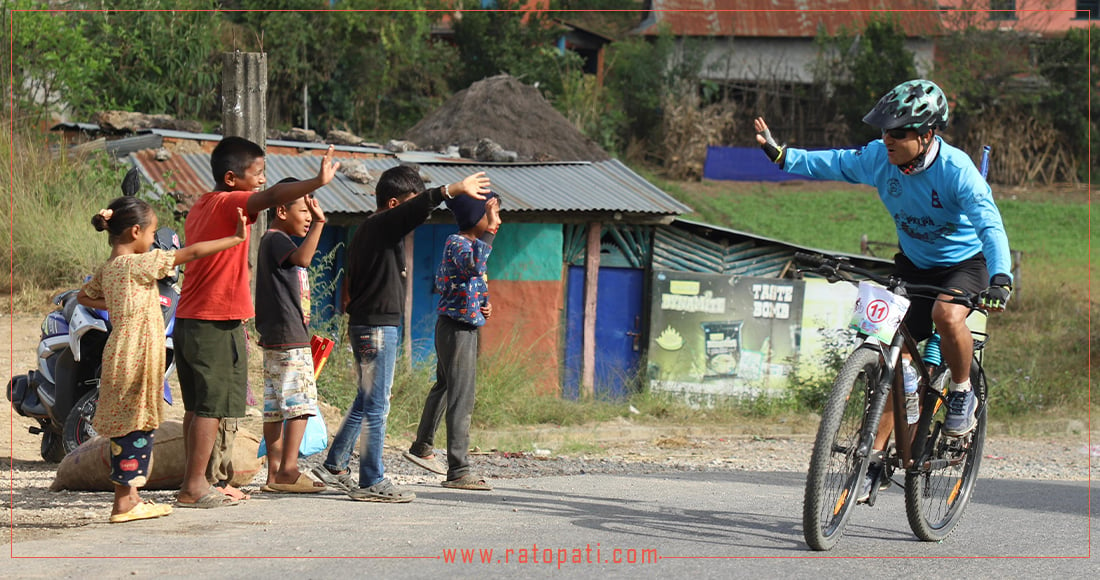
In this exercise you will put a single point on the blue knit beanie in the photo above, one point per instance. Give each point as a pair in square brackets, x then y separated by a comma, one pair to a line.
[467, 210]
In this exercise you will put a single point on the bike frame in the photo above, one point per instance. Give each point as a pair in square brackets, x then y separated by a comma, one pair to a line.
[910, 448]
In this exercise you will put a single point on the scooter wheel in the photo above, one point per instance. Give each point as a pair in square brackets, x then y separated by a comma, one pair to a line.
[78, 425]
[53, 450]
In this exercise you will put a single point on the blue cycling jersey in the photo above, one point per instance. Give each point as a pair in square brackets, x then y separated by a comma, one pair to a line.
[944, 214]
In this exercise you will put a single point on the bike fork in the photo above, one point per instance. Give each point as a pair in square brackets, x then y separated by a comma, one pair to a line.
[878, 399]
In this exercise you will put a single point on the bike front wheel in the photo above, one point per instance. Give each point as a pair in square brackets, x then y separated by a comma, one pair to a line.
[836, 469]
[939, 487]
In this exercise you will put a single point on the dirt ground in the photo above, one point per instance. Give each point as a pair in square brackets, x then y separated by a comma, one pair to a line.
[1059, 451]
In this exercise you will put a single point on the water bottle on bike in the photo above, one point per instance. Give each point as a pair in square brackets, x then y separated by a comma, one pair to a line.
[912, 382]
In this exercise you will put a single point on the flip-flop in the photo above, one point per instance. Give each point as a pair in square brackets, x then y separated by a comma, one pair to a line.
[428, 462]
[143, 511]
[304, 484]
[233, 492]
[470, 482]
[211, 499]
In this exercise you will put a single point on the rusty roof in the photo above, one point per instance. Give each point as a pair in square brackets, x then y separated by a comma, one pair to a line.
[784, 18]
[604, 186]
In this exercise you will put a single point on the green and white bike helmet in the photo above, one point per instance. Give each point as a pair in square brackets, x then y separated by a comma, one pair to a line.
[918, 104]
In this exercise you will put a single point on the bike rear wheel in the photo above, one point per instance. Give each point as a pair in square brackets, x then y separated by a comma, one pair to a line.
[836, 469]
[938, 489]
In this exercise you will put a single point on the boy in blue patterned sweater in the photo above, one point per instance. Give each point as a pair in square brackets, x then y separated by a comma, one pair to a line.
[463, 307]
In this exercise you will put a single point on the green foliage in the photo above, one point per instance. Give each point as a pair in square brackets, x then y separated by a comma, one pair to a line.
[164, 55]
[366, 71]
[508, 40]
[640, 73]
[50, 210]
[391, 76]
[54, 63]
[996, 75]
[590, 107]
[1064, 62]
[810, 388]
[862, 66]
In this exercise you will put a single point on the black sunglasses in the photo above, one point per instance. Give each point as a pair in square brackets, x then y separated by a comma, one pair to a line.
[896, 133]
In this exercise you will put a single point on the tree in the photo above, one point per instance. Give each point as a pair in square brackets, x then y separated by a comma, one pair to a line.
[54, 65]
[392, 73]
[164, 55]
[1063, 63]
[508, 40]
[860, 66]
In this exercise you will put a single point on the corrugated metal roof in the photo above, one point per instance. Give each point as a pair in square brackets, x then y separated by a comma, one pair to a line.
[734, 236]
[269, 142]
[607, 186]
[784, 18]
[687, 246]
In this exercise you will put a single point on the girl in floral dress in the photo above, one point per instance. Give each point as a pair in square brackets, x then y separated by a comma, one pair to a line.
[130, 394]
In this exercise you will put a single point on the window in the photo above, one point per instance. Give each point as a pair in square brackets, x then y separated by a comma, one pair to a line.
[1088, 10]
[1002, 9]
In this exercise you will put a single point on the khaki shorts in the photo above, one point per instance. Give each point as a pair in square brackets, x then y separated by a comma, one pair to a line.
[289, 388]
[212, 363]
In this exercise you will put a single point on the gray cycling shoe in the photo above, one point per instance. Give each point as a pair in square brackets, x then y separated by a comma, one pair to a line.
[960, 418]
[340, 481]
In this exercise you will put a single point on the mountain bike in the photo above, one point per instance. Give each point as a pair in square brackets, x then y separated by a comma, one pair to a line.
[939, 470]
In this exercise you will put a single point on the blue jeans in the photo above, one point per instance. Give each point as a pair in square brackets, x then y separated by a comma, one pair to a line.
[375, 349]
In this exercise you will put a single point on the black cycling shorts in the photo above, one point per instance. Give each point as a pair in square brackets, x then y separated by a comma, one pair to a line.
[969, 275]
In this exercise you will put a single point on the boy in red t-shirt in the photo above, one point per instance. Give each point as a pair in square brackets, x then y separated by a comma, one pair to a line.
[211, 353]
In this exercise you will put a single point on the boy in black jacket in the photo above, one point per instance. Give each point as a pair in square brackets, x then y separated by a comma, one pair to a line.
[376, 299]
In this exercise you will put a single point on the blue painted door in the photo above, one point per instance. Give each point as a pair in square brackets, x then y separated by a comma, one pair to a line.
[427, 253]
[618, 327]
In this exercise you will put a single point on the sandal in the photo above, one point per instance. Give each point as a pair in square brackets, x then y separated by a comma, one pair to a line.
[145, 510]
[211, 499]
[304, 484]
[428, 462]
[233, 492]
[470, 482]
[383, 491]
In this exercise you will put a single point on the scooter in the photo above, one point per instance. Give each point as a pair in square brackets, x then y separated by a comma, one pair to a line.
[61, 394]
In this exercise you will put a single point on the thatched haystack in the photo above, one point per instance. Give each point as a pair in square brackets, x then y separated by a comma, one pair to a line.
[510, 113]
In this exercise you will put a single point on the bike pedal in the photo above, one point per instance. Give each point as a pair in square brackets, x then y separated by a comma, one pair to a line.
[35, 430]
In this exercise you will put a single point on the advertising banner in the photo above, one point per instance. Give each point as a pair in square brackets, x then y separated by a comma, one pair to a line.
[721, 335]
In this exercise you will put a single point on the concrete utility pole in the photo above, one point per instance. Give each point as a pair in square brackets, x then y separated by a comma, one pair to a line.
[244, 114]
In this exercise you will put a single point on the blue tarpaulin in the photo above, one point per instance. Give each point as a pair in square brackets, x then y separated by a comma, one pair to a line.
[743, 164]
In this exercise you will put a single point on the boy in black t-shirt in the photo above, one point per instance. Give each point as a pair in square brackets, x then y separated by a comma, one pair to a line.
[282, 321]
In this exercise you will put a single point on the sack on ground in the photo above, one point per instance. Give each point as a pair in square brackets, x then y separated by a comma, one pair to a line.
[88, 467]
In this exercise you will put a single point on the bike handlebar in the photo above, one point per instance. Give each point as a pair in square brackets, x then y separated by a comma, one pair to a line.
[831, 267]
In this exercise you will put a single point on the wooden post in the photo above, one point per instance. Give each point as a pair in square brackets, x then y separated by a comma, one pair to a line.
[406, 332]
[591, 281]
[244, 114]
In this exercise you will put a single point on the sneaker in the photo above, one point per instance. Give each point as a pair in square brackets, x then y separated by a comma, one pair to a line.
[383, 491]
[960, 413]
[341, 481]
[874, 470]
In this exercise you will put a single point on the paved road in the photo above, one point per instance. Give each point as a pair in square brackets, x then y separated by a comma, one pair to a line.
[736, 524]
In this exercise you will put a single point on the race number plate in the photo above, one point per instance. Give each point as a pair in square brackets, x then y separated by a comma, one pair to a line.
[878, 312]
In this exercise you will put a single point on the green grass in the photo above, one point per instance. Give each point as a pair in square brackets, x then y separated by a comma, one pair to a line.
[50, 209]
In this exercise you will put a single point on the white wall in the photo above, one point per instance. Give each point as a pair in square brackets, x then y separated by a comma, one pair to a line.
[789, 60]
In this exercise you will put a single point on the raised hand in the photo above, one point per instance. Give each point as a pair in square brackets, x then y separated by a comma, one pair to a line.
[492, 210]
[475, 186]
[328, 168]
[767, 143]
[242, 225]
[315, 209]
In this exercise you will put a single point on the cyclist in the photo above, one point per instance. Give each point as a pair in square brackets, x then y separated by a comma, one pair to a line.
[950, 231]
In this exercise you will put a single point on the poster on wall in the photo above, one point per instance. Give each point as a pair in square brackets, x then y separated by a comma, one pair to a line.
[719, 335]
